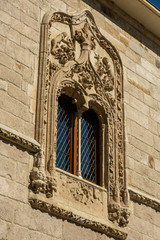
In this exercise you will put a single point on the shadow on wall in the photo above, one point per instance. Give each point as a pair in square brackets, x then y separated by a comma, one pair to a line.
[108, 9]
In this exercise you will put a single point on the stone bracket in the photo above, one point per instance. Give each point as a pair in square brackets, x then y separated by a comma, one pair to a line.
[138, 197]
[19, 139]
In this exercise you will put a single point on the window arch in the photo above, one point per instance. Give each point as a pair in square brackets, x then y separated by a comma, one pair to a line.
[83, 65]
[90, 146]
[70, 142]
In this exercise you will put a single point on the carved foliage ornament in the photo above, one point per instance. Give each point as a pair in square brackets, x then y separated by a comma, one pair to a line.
[77, 60]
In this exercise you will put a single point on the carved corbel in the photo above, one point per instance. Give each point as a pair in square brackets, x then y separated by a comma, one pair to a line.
[118, 214]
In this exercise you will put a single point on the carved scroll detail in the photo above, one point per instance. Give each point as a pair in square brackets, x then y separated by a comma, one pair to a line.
[80, 62]
[17, 138]
[51, 209]
[137, 197]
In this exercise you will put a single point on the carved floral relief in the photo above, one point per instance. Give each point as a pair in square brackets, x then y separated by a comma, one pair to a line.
[77, 60]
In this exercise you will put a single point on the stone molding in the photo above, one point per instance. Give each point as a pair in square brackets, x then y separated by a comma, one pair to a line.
[138, 197]
[78, 61]
[59, 212]
[19, 139]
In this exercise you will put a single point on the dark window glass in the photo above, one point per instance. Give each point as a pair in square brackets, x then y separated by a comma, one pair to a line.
[63, 133]
[66, 149]
[89, 145]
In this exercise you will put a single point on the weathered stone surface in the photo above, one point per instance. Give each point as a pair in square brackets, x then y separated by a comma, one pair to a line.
[35, 219]
[19, 59]
[71, 231]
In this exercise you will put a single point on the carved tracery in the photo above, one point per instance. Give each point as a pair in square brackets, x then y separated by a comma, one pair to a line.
[82, 64]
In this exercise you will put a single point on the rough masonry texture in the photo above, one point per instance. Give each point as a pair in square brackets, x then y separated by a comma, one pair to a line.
[114, 65]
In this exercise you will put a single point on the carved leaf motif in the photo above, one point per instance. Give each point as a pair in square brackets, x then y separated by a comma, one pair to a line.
[103, 69]
[62, 48]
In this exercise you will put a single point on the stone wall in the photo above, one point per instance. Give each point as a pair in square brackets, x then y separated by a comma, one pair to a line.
[19, 57]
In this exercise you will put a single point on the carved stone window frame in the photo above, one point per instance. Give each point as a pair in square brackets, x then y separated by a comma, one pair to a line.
[94, 82]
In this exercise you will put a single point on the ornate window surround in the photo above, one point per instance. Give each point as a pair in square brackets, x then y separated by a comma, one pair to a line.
[78, 61]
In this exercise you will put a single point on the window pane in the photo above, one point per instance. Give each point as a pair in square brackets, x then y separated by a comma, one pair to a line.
[88, 145]
[63, 134]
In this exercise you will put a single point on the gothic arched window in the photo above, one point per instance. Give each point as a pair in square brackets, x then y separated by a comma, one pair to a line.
[80, 124]
[70, 142]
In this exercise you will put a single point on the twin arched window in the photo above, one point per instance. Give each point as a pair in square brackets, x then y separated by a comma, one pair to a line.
[77, 149]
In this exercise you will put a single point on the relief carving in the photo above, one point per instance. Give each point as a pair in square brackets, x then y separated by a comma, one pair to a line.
[103, 69]
[80, 191]
[95, 225]
[62, 48]
[39, 181]
[137, 197]
[119, 215]
[81, 63]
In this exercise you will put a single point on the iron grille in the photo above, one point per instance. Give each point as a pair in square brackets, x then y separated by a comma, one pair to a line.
[88, 146]
[63, 134]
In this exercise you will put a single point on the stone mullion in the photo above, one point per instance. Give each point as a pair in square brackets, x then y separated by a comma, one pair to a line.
[102, 140]
[79, 145]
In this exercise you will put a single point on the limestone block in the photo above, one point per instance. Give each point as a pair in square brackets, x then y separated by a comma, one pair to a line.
[147, 213]
[30, 22]
[3, 85]
[137, 104]
[9, 8]
[72, 231]
[17, 123]
[10, 76]
[133, 234]
[156, 233]
[143, 147]
[141, 133]
[26, 72]
[139, 82]
[124, 40]
[30, 45]
[7, 167]
[18, 94]
[146, 75]
[130, 163]
[6, 60]
[135, 153]
[6, 209]
[24, 56]
[157, 165]
[35, 219]
[155, 92]
[136, 47]
[5, 17]
[10, 33]
[28, 7]
[141, 182]
[132, 89]
[3, 229]
[153, 126]
[19, 233]
[22, 173]
[132, 55]
[155, 115]
[13, 190]
[127, 62]
[2, 44]
[137, 116]
[22, 111]
[157, 143]
[24, 86]
[150, 101]
[101, 236]
[149, 67]
[141, 226]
